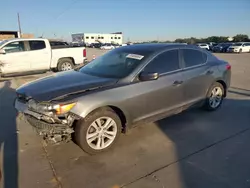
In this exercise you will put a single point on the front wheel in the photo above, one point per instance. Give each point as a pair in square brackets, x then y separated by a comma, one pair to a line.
[214, 97]
[99, 131]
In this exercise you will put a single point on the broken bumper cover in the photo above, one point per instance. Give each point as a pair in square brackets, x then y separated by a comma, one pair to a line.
[50, 128]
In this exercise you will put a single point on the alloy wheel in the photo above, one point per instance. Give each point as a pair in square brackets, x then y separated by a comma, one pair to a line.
[66, 66]
[216, 97]
[101, 133]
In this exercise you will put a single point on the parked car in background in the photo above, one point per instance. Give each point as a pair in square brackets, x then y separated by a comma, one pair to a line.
[116, 45]
[203, 46]
[96, 45]
[78, 44]
[107, 46]
[222, 47]
[26, 56]
[212, 45]
[121, 88]
[58, 44]
[240, 47]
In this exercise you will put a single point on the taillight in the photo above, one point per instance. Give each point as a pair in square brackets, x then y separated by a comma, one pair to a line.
[84, 53]
[228, 67]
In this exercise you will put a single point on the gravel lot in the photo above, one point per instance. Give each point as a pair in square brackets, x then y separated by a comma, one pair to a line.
[194, 149]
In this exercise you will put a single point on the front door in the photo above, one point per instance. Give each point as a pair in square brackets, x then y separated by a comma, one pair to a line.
[15, 59]
[163, 95]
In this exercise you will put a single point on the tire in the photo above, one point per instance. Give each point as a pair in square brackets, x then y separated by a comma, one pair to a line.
[240, 51]
[65, 64]
[209, 105]
[85, 128]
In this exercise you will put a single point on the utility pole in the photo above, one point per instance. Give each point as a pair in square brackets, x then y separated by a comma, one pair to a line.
[19, 25]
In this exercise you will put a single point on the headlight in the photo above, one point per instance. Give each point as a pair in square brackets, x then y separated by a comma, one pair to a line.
[63, 108]
[46, 107]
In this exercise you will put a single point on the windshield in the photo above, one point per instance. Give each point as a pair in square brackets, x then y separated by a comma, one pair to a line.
[117, 63]
[238, 44]
[3, 42]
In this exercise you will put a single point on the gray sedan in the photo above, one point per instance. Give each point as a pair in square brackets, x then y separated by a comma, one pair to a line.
[106, 97]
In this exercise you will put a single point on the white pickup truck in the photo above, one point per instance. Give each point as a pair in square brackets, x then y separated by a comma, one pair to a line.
[25, 56]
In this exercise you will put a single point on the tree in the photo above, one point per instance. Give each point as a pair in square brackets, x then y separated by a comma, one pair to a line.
[216, 39]
[240, 38]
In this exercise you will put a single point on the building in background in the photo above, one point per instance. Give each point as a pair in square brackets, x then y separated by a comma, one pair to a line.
[14, 34]
[90, 38]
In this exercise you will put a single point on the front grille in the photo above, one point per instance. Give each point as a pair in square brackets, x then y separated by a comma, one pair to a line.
[42, 126]
[38, 124]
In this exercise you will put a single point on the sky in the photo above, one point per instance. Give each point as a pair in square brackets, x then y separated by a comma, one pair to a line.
[139, 20]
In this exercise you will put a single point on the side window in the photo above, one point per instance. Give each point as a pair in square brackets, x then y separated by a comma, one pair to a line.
[37, 45]
[193, 57]
[87, 37]
[164, 62]
[14, 47]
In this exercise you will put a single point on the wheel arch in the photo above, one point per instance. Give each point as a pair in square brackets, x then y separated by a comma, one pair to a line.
[121, 112]
[223, 83]
[62, 58]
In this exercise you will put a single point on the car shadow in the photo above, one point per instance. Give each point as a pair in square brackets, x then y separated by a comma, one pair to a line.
[8, 137]
[200, 141]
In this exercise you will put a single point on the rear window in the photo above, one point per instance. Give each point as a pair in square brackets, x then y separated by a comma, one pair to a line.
[58, 43]
[37, 45]
[193, 57]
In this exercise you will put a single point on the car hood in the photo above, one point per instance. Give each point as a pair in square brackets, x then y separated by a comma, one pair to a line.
[60, 84]
[235, 46]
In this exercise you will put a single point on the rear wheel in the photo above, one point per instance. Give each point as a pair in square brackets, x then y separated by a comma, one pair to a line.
[214, 97]
[65, 64]
[99, 131]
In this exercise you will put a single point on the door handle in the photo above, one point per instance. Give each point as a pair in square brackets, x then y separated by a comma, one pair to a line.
[209, 72]
[177, 83]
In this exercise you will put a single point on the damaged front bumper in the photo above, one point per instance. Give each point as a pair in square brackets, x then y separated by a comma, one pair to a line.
[51, 127]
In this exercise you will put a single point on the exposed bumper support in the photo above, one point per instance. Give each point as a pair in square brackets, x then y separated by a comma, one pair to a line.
[51, 128]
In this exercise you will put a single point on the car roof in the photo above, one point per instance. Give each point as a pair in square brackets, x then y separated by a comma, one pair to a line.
[23, 39]
[156, 46]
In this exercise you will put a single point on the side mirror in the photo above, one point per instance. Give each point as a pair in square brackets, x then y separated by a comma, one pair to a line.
[146, 76]
[2, 51]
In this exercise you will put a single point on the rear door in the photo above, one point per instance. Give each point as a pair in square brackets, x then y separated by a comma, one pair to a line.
[39, 54]
[16, 59]
[197, 73]
[165, 93]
